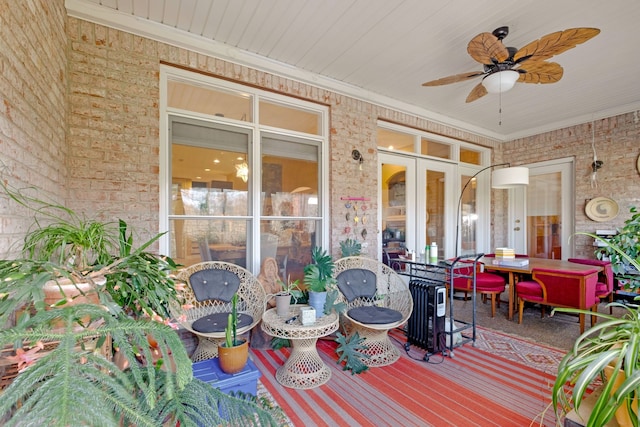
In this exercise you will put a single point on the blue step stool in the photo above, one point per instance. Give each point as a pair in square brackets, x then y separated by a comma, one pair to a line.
[245, 381]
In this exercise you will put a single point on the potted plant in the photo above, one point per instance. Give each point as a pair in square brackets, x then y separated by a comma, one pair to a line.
[318, 277]
[63, 352]
[612, 344]
[626, 240]
[289, 290]
[233, 353]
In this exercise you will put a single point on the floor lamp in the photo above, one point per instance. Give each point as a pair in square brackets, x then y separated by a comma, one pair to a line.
[509, 177]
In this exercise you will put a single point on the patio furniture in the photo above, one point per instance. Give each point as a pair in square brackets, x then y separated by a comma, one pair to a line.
[486, 283]
[560, 288]
[304, 368]
[207, 296]
[378, 300]
[604, 287]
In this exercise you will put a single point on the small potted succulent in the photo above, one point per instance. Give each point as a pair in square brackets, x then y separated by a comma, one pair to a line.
[288, 290]
[233, 353]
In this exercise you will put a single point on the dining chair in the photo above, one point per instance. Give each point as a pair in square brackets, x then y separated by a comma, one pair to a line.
[604, 287]
[487, 284]
[559, 288]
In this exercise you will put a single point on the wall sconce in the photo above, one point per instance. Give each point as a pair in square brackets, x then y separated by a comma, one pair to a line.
[242, 171]
[355, 155]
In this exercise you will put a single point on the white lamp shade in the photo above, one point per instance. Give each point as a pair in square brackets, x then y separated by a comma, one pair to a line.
[501, 81]
[510, 177]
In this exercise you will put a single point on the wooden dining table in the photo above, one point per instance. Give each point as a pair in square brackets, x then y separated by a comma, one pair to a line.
[516, 272]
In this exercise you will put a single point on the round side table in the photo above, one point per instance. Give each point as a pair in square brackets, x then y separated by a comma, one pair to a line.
[304, 368]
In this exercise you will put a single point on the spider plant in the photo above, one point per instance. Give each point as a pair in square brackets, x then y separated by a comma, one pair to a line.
[614, 341]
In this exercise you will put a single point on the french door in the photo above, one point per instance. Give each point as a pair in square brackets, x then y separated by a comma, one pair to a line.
[416, 198]
[541, 216]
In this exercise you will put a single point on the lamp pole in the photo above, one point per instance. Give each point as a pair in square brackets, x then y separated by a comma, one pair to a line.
[459, 217]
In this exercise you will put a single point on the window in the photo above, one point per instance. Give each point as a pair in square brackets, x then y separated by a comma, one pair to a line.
[244, 174]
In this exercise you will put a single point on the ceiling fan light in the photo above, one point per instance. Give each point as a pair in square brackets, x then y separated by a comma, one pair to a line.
[501, 81]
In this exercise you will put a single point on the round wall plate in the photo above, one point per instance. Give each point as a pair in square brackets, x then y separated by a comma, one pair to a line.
[601, 209]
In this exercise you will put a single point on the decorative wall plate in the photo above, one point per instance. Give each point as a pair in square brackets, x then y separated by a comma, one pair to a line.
[601, 209]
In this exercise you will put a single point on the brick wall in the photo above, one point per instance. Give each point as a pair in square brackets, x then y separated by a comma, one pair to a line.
[33, 84]
[113, 119]
[617, 144]
[114, 135]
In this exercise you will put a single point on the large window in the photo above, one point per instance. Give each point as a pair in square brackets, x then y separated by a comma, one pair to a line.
[243, 174]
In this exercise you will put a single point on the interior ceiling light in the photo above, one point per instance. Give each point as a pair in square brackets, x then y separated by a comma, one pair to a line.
[501, 81]
[216, 161]
[242, 171]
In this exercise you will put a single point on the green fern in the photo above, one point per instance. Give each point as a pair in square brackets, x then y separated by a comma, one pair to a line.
[73, 385]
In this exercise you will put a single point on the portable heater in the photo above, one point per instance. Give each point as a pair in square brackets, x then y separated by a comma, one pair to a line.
[426, 326]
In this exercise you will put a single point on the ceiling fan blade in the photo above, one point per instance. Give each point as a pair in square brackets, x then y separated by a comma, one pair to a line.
[555, 43]
[540, 72]
[453, 79]
[487, 49]
[477, 92]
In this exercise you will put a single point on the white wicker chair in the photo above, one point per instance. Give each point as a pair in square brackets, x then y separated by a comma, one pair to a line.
[379, 306]
[207, 296]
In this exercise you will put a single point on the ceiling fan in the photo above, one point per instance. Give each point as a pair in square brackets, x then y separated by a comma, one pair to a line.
[504, 66]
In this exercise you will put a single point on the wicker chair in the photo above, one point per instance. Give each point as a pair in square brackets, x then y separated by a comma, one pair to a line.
[209, 288]
[378, 300]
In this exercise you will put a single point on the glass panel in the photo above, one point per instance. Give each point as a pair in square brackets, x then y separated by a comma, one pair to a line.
[215, 102]
[288, 117]
[394, 201]
[469, 219]
[209, 176]
[435, 210]
[544, 219]
[470, 156]
[435, 149]
[393, 140]
[291, 243]
[290, 178]
[196, 240]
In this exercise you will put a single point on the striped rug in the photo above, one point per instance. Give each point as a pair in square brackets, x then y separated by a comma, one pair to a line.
[501, 381]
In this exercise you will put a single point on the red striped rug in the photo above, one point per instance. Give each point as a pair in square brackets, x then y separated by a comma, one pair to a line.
[501, 381]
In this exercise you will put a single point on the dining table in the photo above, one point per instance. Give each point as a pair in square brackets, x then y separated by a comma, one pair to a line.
[515, 272]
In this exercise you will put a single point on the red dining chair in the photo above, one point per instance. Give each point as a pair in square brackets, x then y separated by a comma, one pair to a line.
[487, 284]
[604, 287]
[559, 288]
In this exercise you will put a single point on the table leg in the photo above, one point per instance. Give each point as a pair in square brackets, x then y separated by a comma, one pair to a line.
[304, 368]
[512, 294]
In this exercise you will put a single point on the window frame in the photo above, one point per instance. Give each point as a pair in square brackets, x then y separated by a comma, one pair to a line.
[168, 74]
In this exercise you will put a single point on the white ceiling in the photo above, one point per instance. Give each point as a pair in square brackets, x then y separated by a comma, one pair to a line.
[383, 50]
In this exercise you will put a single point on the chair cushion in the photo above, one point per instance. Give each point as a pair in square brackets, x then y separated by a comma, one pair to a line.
[602, 289]
[375, 315]
[489, 282]
[218, 321]
[357, 283]
[214, 284]
[529, 290]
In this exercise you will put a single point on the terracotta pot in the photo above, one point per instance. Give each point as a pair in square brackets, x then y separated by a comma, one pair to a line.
[233, 359]
[74, 293]
[622, 414]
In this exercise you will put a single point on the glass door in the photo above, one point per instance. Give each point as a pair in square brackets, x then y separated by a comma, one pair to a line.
[397, 202]
[547, 206]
